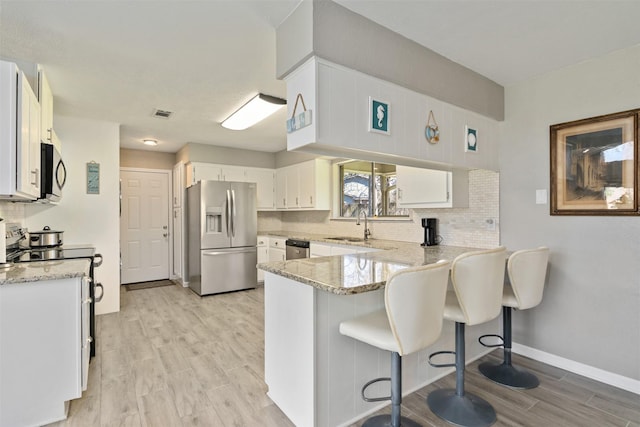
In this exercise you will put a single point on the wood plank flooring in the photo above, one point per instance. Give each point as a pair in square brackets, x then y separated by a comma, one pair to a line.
[170, 358]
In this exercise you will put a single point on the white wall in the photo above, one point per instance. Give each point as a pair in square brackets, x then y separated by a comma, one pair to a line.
[590, 313]
[88, 218]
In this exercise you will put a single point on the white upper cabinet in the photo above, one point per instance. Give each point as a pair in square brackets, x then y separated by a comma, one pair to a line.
[263, 177]
[265, 180]
[426, 188]
[178, 184]
[304, 185]
[340, 101]
[46, 108]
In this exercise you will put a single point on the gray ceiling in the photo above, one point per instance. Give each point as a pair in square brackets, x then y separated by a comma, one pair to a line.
[118, 60]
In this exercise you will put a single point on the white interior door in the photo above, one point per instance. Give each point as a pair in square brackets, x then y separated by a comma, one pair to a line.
[144, 226]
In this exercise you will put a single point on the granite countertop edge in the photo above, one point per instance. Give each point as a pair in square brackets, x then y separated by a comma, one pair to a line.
[44, 270]
[392, 255]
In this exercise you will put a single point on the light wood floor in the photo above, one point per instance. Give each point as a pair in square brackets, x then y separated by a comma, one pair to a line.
[170, 358]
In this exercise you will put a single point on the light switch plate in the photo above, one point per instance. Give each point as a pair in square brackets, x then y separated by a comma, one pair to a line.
[541, 197]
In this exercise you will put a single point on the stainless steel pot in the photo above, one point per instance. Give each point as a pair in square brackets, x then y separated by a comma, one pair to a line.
[47, 238]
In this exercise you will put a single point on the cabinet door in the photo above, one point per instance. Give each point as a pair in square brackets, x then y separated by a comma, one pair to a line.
[263, 256]
[46, 108]
[422, 186]
[276, 254]
[28, 158]
[203, 171]
[293, 186]
[177, 242]
[232, 173]
[281, 188]
[265, 180]
[307, 186]
[178, 184]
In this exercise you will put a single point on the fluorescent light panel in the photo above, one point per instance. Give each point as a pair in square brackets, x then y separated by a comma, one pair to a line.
[258, 108]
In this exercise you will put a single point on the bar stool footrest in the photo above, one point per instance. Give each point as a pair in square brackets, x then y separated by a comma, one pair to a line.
[491, 336]
[441, 365]
[467, 410]
[507, 374]
[374, 399]
[385, 421]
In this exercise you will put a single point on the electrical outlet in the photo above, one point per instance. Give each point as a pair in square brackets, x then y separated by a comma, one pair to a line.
[541, 197]
[491, 224]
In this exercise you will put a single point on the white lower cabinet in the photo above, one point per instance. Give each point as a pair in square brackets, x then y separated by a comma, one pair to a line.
[44, 356]
[277, 249]
[427, 188]
[263, 254]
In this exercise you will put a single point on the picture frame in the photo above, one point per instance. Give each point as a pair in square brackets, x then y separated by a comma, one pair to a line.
[379, 113]
[470, 139]
[93, 178]
[594, 165]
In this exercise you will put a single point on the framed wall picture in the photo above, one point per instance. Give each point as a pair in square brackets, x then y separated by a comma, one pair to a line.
[594, 165]
[379, 112]
[93, 178]
[470, 139]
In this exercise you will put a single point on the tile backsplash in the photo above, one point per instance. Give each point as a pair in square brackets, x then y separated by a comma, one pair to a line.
[475, 226]
[12, 212]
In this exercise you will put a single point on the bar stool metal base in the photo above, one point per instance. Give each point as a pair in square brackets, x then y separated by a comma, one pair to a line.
[509, 375]
[385, 421]
[467, 410]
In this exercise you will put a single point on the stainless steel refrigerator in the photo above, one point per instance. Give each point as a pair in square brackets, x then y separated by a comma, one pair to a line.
[222, 228]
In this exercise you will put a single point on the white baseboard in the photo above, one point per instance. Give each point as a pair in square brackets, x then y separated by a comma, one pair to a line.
[597, 374]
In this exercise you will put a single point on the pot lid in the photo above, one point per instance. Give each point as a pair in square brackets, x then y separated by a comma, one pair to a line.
[45, 230]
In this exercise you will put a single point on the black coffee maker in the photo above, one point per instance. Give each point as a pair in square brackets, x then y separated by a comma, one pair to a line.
[430, 226]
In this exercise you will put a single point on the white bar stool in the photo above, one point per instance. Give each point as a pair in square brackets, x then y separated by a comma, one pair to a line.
[411, 320]
[527, 270]
[478, 279]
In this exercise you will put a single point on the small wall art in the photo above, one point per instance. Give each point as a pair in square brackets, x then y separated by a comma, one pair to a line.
[431, 131]
[297, 122]
[470, 139]
[379, 116]
[93, 178]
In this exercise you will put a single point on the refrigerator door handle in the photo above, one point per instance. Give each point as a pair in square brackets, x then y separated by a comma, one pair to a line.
[228, 208]
[233, 214]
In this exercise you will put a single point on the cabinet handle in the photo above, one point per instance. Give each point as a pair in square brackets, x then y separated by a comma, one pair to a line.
[311, 199]
[297, 202]
[36, 176]
[165, 234]
[284, 202]
[50, 137]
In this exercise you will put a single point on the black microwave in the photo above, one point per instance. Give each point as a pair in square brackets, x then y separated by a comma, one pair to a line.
[54, 173]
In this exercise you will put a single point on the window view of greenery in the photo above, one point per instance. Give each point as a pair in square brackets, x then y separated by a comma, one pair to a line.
[369, 187]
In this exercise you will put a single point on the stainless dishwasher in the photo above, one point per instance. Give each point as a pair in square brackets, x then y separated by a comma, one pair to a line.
[296, 249]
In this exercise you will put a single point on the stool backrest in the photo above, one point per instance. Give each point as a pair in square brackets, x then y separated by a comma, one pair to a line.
[414, 300]
[478, 280]
[527, 271]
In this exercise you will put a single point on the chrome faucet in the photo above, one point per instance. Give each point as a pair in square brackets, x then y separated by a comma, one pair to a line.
[367, 232]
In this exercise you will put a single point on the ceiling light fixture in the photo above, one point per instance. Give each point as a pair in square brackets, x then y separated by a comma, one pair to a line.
[151, 142]
[258, 108]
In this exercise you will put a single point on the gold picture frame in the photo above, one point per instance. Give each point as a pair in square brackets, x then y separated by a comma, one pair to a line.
[594, 165]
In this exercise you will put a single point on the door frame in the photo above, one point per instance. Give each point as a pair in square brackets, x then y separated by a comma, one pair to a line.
[169, 174]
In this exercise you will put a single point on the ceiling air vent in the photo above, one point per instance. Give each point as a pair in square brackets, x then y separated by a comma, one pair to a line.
[162, 114]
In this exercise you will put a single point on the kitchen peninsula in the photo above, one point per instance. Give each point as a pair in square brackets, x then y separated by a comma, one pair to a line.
[314, 374]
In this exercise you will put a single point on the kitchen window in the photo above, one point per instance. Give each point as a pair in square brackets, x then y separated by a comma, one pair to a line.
[369, 187]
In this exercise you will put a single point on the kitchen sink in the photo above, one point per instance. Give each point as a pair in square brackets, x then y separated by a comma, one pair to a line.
[346, 239]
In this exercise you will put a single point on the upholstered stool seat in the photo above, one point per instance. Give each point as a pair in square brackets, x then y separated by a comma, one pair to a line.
[410, 321]
[477, 278]
[526, 270]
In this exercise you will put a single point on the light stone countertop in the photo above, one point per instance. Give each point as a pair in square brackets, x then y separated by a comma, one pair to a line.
[357, 273]
[26, 272]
